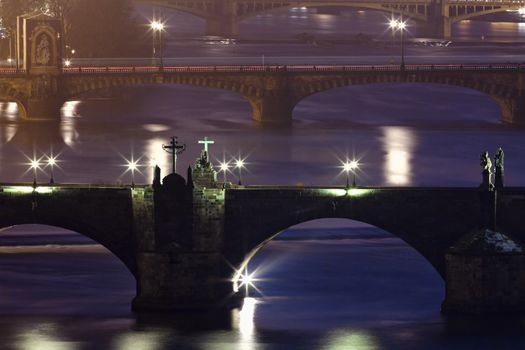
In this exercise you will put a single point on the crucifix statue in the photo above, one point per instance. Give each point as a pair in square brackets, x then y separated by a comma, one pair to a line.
[206, 144]
[174, 149]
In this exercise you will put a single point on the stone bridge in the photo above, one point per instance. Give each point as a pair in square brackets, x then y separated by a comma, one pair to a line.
[272, 91]
[185, 244]
[434, 17]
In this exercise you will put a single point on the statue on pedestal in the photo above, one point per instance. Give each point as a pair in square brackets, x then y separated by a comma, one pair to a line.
[499, 167]
[486, 164]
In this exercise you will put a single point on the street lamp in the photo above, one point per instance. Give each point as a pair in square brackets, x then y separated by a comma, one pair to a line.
[239, 164]
[35, 166]
[399, 25]
[350, 166]
[224, 167]
[393, 25]
[51, 163]
[402, 27]
[158, 27]
[132, 167]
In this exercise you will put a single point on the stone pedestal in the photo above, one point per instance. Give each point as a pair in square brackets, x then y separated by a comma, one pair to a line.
[485, 273]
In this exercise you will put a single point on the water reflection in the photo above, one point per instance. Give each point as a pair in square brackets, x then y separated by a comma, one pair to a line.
[9, 114]
[398, 145]
[246, 318]
[142, 340]
[244, 321]
[350, 340]
[68, 127]
[156, 156]
[43, 338]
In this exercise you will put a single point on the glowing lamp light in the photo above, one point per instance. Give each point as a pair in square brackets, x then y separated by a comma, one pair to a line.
[35, 164]
[224, 167]
[350, 166]
[247, 280]
[239, 163]
[157, 25]
[393, 24]
[132, 165]
[67, 63]
[51, 161]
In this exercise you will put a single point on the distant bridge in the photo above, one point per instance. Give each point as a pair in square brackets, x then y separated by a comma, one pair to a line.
[434, 17]
[272, 91]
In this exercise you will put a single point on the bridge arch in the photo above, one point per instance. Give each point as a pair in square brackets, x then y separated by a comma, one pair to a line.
[254, 217]
[502, 95]
[78, 226]
[415, 12]
[397, 96]
[240, 89]
[76, 210]
[9, 94]
[362, 230]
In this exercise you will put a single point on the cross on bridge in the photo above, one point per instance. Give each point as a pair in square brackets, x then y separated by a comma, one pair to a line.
[206, 144]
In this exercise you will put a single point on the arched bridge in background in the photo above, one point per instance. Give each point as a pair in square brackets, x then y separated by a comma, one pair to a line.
[434, 17]
[272, 91]
[189, 259]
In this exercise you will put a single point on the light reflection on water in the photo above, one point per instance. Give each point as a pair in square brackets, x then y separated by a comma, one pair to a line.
[156, 156]
[8, 115]
[350, 340]
[68, 128]
[399, 143]
[43, 337]
[142, 340]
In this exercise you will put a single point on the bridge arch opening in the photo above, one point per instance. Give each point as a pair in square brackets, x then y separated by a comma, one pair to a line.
[186, 103]
[418, 104]
[11, 109]
[324, 265]
[54, 271]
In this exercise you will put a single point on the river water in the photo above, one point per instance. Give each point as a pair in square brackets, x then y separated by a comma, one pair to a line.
[330, 284]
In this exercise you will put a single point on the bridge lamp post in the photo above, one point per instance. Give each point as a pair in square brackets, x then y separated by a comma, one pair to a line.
[132, 167]
[402, 27]
[52, 162]
[224, 168]
[393, 26]
[350, 166]
[158, 27]
[35, 166]
[239, 164]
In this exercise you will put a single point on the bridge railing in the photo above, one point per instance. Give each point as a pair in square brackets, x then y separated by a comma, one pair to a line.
[290, 68]
[297, 68]
[11, 71]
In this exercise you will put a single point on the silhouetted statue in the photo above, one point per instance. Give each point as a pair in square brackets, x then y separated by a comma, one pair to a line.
[499, 168]
[156, 177]
[486, 164]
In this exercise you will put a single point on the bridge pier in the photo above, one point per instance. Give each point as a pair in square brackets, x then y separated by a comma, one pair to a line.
[513, 109]
[42, 109]
[180, 263]
[272, 110]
